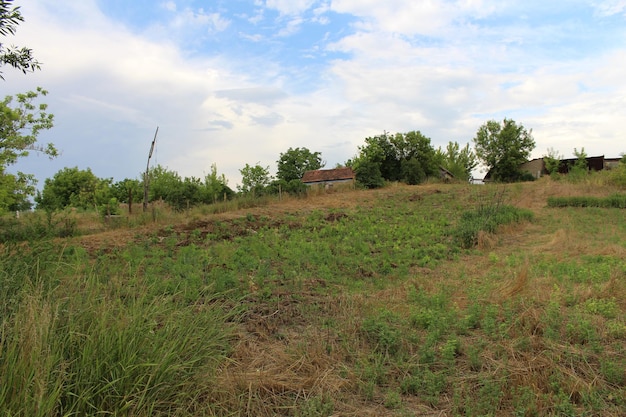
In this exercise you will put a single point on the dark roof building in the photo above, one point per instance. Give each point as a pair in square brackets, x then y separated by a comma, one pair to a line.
[537, 166]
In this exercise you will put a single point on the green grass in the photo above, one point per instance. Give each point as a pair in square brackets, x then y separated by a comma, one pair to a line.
[380, 304]
[612, 201]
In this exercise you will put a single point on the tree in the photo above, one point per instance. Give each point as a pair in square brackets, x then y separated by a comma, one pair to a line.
[15, 191]
[552, 161]
[20, 125]
[162, 182]
[381, 151]
[415, 146]
[73, 187]
[580, 169]
[460, 162]
[412, 171]
[368, 174]
[127, 191]
[217, 186]
[295, 162]
[255, 179]
[405, 157]
[503, 147]
[19, 58]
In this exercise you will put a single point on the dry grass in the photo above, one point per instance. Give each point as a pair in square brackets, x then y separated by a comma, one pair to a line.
[284, 355]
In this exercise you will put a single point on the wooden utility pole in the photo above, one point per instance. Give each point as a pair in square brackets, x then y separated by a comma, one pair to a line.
[146, 178]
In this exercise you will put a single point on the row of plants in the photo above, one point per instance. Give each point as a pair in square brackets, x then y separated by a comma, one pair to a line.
[612, 201]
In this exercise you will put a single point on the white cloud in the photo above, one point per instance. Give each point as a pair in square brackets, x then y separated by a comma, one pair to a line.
[292, 26]
[610, 7]
[169, 6]
[111, 86]
[290, 7]
[214, 22]
[427, 17]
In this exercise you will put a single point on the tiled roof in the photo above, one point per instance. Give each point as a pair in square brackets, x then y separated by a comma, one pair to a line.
[322, 175]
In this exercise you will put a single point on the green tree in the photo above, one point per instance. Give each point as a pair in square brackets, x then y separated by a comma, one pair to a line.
[21, 121]
[414, 145]
[165, 184]
[459, 161]
[127, 191]
[580, 169]
[368, 174]
[381, 151]
[397, 157]
[216, 186]
[20, 125]
[73, 187]
[552, 161]
[19, 58]
[15, 191]
[412, 171]
[503, 147]
[254, 180]
[295, 162]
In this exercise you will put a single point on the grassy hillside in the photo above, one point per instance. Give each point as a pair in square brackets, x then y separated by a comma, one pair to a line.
[411, 300]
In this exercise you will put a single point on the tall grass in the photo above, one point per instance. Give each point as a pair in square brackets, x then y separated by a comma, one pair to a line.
[356, 304]
[91, 345]
[487, 218]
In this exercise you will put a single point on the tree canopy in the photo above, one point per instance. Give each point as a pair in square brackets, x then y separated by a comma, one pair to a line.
[254, 179]
[407, 157]
[21, 121]
[73, 187]
[19, 58]
[503, 147]
[459, 161]
[295, 162]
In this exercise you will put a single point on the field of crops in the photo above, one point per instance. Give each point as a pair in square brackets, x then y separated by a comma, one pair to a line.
[439, 299]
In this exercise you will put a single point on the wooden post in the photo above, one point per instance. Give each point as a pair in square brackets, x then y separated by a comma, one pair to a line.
[146, 178]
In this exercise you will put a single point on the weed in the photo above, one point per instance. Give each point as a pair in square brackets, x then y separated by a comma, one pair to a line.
[393, 400]
[425, 384]
[383, 333]
[318, 406]
[614, 371]
[607, 308]
[486, 219]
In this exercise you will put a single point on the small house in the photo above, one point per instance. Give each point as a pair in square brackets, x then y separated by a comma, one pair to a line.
[329, 177]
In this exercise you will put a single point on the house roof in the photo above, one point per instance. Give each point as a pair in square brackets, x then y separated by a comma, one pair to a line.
[322, 175]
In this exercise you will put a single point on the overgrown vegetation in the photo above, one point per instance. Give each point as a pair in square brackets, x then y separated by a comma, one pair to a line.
[487, 218]
[381, 302]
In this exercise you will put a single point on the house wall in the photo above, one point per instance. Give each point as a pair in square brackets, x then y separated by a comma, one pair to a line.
[329, 183]
[536, 167]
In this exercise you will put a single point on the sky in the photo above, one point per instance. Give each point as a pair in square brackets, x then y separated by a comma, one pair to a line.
[236, 82]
